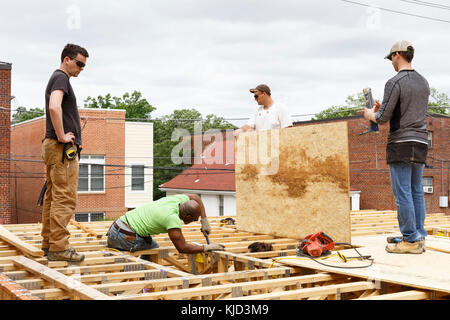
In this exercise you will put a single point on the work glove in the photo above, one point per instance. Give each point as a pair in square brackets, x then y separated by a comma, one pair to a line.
[206, 228]
[213, 247]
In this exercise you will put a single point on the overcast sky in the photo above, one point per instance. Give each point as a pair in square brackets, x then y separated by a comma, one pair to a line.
[206, 54]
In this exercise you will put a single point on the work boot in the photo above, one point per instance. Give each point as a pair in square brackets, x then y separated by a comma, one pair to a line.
[400, 239]
[422, 244]
[416, 247]
[69, 255]
[396, 239]
[45, 251]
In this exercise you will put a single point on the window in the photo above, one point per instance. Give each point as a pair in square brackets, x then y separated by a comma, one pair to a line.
[220, 205]
[137, 178]
[89, 216]
[91, 175]
[430, 139]
[427, 183]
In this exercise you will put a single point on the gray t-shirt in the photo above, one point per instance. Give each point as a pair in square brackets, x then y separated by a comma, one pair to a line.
[405, 105]
[71, 119]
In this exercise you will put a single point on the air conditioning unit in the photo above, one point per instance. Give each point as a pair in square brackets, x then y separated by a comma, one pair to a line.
[428, 189]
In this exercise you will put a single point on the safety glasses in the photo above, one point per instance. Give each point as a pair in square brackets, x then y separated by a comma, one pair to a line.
[79, 63]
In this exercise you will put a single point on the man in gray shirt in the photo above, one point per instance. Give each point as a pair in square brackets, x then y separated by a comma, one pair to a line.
[405, 105]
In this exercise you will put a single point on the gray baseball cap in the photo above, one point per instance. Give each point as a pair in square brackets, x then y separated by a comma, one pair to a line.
[399, 46]
[262, 88]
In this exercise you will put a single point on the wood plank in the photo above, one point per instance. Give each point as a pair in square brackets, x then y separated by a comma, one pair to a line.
[72, 285]
[228, 288]
[406, 295]
[311, 292]
[18, 243]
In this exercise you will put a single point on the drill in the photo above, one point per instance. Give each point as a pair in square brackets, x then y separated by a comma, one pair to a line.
[369, 105]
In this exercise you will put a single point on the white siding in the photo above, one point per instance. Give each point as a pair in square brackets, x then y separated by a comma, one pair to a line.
[211, 201]
[139, 151]
[229, 205]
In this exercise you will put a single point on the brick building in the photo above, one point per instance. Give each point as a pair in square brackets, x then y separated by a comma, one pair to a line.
[112, 174]
[5, 124]
[369, 172]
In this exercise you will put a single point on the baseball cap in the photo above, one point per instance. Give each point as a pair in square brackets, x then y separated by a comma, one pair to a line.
[399, 46]
[262, 88]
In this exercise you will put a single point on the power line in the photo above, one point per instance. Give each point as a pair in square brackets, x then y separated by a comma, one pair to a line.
[162, 119]
[225, 119]
[396, 11]
[128, 166]
[428, 4]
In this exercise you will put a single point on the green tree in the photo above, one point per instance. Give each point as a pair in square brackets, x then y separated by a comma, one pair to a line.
[353, 104]
[135, 105]
[163, 129]
[22, 114]
[439, 103]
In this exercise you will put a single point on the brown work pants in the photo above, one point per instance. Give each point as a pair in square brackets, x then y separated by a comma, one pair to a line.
[61, 196]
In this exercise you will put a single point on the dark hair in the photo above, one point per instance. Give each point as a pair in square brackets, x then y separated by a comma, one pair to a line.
[407, 55]
[260, 247]
[72, 50]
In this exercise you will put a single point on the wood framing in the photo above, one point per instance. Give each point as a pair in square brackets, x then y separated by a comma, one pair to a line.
[72, 285]
[12, 239]
[232, 274]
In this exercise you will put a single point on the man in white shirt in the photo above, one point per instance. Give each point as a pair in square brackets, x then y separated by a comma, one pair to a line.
[270, 115]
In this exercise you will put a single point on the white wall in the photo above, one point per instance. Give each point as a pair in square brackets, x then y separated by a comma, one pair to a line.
[230, 205]
[354, 200]
[211, 202]
[138, 151]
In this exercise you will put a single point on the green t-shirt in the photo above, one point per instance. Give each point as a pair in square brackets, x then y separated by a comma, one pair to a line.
[157, 216]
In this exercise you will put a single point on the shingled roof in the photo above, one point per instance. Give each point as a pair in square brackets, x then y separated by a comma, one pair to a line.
[214, 173]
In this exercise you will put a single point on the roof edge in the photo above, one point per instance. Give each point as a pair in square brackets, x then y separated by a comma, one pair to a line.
[5, 65]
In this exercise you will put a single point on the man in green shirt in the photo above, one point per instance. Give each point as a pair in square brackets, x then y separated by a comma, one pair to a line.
[133, 231]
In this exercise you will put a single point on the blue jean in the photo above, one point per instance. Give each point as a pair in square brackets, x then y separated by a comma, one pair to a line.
[118, 240]
[406, 181]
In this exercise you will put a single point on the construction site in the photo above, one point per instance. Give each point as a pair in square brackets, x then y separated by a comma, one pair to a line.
[288, 151]
[278, 210]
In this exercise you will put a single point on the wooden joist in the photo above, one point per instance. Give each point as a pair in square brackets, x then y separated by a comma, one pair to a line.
[73, 286]
[336, 289]
[19, 244]
[231, 274]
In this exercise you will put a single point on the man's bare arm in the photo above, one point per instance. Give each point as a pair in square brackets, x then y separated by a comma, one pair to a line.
[177, 238]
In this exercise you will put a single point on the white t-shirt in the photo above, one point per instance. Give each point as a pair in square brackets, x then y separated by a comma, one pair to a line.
[275, 117]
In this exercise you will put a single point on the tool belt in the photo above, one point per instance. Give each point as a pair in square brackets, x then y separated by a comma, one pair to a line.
[70, 151]
[126, 232]
[131, 234]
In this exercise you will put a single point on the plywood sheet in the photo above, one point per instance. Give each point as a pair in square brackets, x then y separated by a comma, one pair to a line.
[294, 181]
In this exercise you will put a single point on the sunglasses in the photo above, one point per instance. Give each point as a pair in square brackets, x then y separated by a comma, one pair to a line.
[256, 96]
[79, 63]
